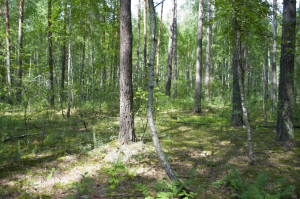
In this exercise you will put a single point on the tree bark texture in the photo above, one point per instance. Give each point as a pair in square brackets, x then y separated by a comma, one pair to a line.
[207, 53]
[63, 59]
[50, 53]
[266, 80]
[127, 134]
[198, 80]
[213, 40]
[163, 159]
[69, 65]
[175, 50]
[285, 129]
[104, 47]
[158, 45]
[170, 53]
[20, 45]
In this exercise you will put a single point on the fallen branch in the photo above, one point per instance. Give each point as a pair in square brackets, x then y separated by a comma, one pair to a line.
[21, 136]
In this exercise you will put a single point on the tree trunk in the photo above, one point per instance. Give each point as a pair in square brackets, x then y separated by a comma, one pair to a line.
[175, 50]
[69, 65]
[127, 134]
[83, 62]
[158, 45]
[20, 45]
[207, 53]
[188, 65]
[274, 67]
[163, 159]
[285, 129]
[104, 47]
[63, 60]
[198, 90]
[138, 45]
[212, 41]
[50, 54]
[8, 52]
[170, 53]
[237, 115]
[266, 80]
[145, 43]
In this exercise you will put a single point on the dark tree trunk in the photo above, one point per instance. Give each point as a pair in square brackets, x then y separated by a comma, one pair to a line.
[8, 52]
[138, 45]
[50, 54]
[175, 50]
[170, 53]
[207, 53]
[127, 134]
[20, 45]
[104, 47]
[145, 44]
[285, 129]
[198, 90]
[266, 80]
[158, 45]
[237, 115]
[274, 67]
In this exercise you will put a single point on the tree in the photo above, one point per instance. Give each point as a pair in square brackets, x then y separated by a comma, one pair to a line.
[170, 53]
[126, 134]
[63, 59]
[138, 44]
[163, 159]
[145, 43]
[8, 51]
[285, 129]
[50, 58]
[207, 52]
[175, 50]
[274, 67]
[20, 45]
[158, 45]
[69, 64]
[198, 91]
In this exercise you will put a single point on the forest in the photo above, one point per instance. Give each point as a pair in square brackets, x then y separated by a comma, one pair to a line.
[150, 99]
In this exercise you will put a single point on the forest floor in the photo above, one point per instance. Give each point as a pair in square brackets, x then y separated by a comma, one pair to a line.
[79, 157]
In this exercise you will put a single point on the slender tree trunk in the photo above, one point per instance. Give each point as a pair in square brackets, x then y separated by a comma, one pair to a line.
[50, 54]
[158, 45]
[126, 134]
[83, 62]
[20, 45]
[8, 52]
[145, 43]
[69, 65]
[104, 47]
[163, 159]
[175, 50]
[207, 52]
[188, 65]
[63, 59]
[170, 53]
[212, 40]
[274, 67]
[266, 80]
[198, 90]
[138, 45]
[237, 114]
[285, 124]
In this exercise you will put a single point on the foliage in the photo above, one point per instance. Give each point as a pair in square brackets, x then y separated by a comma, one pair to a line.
[84, 187]
[259, 189]
[116, 173]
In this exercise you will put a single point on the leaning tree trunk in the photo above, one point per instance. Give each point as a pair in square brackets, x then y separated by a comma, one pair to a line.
[8, 52]
[198, 91]
[207, 53]
[274, 68]
[50, 54]
[170, 53]
[158, 45]
[126, 134]
[163, 159]
[20, 45]
[138, 45]
[285, 124]
[175, 51]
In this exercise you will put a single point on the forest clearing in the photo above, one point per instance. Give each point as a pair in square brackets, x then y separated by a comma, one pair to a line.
[144, 99]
